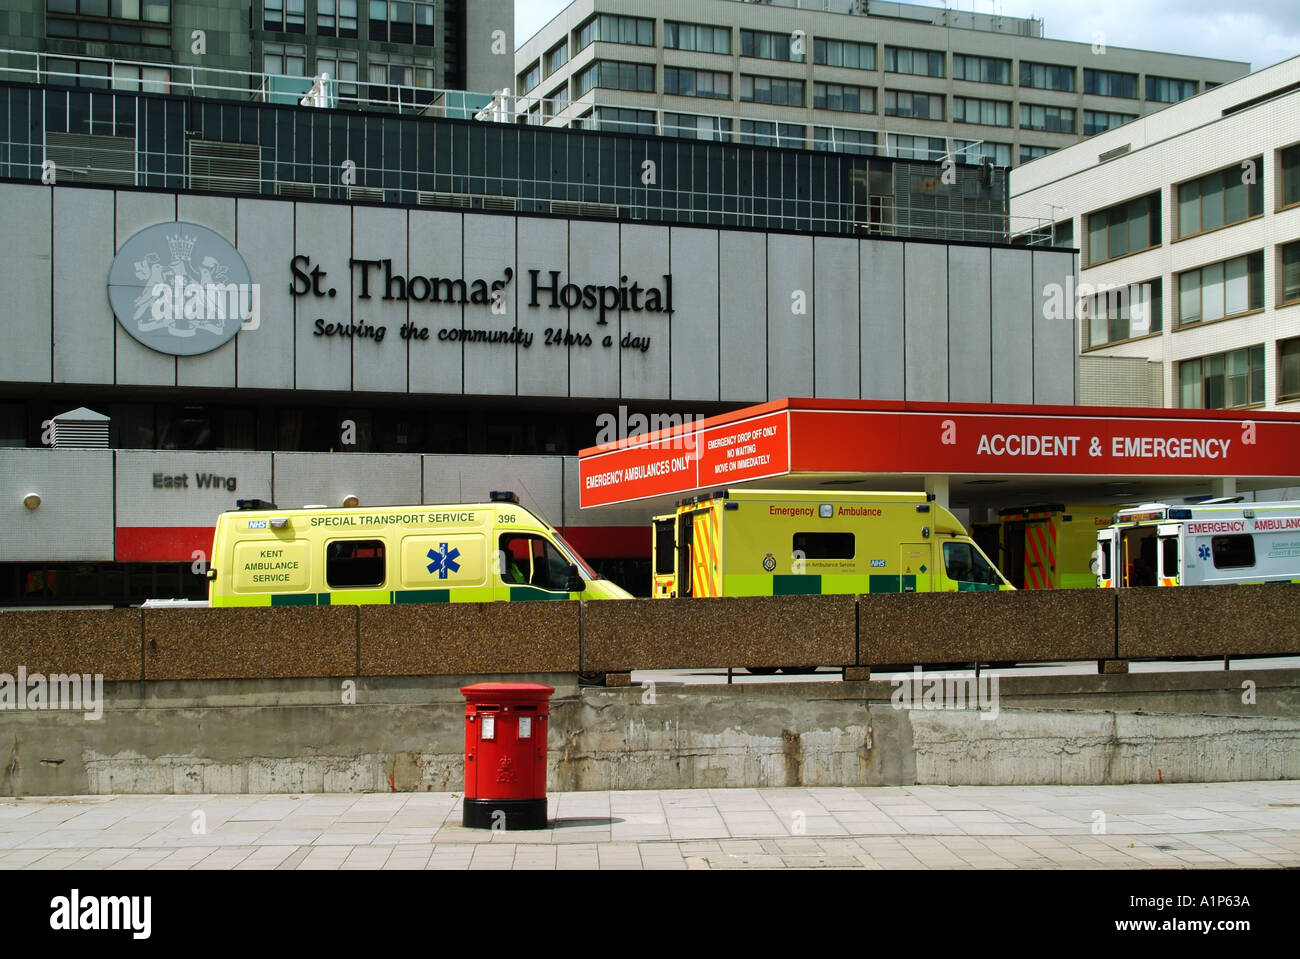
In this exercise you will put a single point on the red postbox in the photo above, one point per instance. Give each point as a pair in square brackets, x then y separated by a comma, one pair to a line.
[505, 755]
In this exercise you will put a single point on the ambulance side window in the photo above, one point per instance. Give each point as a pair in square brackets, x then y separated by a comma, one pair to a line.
[1169, 556]
[1233, 552]
[824, 545]
[528, 560]
[354, 562]
[964, 564]
[1103, 568]
[665, 545]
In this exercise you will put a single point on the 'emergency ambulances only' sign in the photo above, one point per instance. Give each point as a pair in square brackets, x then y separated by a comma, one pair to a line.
[911, 439]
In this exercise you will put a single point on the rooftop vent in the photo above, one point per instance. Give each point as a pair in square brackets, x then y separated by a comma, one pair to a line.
[80, 429]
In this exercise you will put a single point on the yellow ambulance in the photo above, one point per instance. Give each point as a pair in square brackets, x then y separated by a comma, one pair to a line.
[461, 553]
[1051, 546]
[753, 542]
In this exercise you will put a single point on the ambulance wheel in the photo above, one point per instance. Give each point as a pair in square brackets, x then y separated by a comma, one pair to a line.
[798, 670]
[762, 670]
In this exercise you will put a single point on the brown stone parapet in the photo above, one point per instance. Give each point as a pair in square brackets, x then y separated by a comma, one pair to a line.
[1239, 620]
[260, 642]
[738, 631]
[434, 639]
[63, 641]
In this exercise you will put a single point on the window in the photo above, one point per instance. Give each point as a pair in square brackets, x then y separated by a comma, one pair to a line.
[823, 546]
[398, 21]
[1123, 313]
[533, 561]
[295, 19]
[1166, 90]
[842, 53]
[1224, 381]
[530, 78]
[665, 547]
[557, 57]
[608, 28]
[989, 113]
[835, 96]
[153, 11]
[389, 74]
[1123, 229]
[339, 18]
[554, 104]
[862, 142]
[1044, 76]
[147, 79]
[768, 46]
[1169, 555]
[972, 151]
[1291, 176]
[354, 562]
[284, 59]
[980, 69]
[771, 90]
[1288, 353]
[963, 563]
[1105, 83]
[1221, 198]
[341, 65]
[921, 63]
[618, 120]
[1221, 290]
[616, 75]
[697, 127]
[907, 147]
[697, 83]
[768, 134]
[696, 37]
[1233, 552]
[921, 106]
[1290, 273]
[1028, 152]
[1049, 119]
[1098, 121]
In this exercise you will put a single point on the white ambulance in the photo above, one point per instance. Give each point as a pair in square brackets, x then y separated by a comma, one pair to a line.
[1218, 541]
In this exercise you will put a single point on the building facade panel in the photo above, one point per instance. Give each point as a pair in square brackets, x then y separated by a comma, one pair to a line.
[85, 333]
[926, 317]
[970, 327]
[836, 326]
[27, 238]
[380, 365]
[593, 252]
[1013, 335]
[326, 231]
[694, 329]
[437, 246]
[538, 481]
[135, 362]
[644, 345]
[881, 320]
[218, 367]
[74, 520]
[489, 252]
[743, 340]
[186, 488]
[328, 479]
[266, 235]
[791, 304]
[1055, 345]
[543, 371]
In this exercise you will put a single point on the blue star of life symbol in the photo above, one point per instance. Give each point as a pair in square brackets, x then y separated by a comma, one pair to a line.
[1203, 552]
[443, 562]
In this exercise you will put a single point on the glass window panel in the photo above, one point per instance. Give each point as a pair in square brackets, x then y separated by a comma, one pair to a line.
[1189, 208]
[1211, 202]
[1236, 289]
[1212, 292]
[1235, 200]
[1189, 297]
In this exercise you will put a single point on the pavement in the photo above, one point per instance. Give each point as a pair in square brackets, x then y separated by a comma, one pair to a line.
[1173, 825]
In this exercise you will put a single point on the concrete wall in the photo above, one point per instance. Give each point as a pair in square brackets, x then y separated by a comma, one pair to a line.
[756, 316]
[304, 736]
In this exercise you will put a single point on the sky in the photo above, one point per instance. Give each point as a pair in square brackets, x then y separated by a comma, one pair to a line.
[1258, 32]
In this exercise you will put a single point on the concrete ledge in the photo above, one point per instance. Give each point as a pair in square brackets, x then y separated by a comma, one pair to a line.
[431, 639]
[1024, 626]
[250, 643]
[1209, 621]
[87, 641]
[739, 631]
